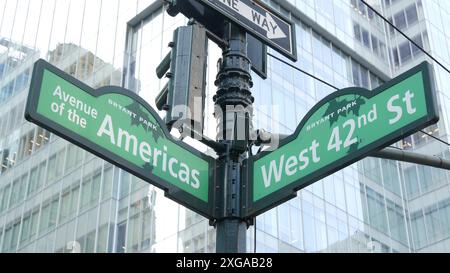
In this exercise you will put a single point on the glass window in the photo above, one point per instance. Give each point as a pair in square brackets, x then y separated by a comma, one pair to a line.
[60, 163]
[5, 199]
[372, 169]
[411, 15]
[296, 229]
[53, 214]
[18, 191]
[364, 208]
[33, 180]
[121, 233]
[15, 193]
[12, 117]
[74, 199]
[340, 194]
[74, 156]
[26, 144]
[365, 78]
[433, 224]
[444, 215]
[20, 113]
[107, 183]
[136, 183]
[45, 217]
[124, 184]
[325, 7]
[7, 239]
[357, 32]
[283, 222]
[102, 238]
[416, 50]
[65, 206]
[377, 212]
[411, 182]
[22, 81]
[23, 187]
[328, 186]
[362, 7]
[321, 235]
[317, 48]
[148, 234]
[375, 46]
[396, 222]
[366, 38]
[51, 173]
[15, 237]
[1, 200]
[326, 53]
[86, 192]
[395, 57]
[305, 38]
[26, 228]
[405, 52]
[370, 13]
[400, 20]
[352, 203]
[41, 176]
[356, 75]
[42, 138]
[390, 176]
[133, 234]
[383, 50]
[34, 223]
[339, 62]
[374, 81]
[309, 228]
[425, 175]
[270, 223]
[95, 188]
[90, 243]
[3, 121]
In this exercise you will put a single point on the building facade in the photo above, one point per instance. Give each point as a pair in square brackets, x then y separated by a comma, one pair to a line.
[55, 197]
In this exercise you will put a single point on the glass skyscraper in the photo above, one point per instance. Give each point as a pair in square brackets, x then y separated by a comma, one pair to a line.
[55, 197]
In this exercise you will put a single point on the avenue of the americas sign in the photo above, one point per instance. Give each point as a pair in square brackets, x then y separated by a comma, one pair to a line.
[118, 126]
[341, 129]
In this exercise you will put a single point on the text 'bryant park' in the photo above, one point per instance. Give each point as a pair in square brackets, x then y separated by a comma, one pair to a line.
[224, 126]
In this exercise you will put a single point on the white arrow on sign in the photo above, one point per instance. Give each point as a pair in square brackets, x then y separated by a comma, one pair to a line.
[267, 23]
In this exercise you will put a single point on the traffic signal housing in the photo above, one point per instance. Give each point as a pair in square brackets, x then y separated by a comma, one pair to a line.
[183, 97]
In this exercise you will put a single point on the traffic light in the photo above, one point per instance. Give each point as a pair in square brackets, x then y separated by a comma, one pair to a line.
[183, 97]
[172, 6]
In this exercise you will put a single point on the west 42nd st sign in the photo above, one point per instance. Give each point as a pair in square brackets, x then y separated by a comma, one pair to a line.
[120, 127]
[341, 129]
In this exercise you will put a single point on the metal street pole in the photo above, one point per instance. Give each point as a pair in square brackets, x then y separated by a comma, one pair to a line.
[400, 155]
[233, 112]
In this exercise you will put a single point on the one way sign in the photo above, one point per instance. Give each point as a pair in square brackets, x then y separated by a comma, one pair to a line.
[264, 23]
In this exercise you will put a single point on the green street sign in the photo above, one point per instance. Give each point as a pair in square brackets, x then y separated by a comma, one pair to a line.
[340, 130]
[120, 127]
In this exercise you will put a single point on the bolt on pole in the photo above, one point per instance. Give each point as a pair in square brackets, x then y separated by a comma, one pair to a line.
[233, 112]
